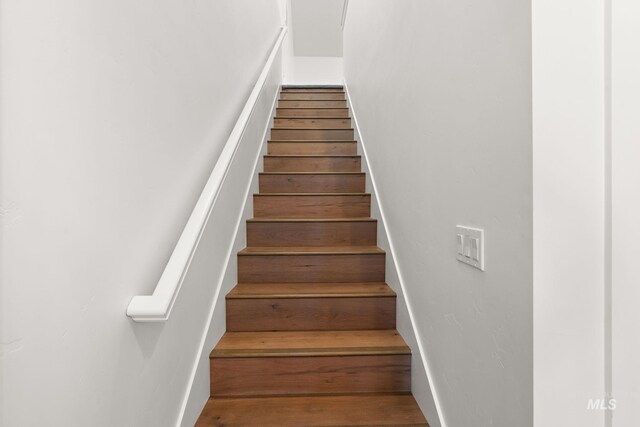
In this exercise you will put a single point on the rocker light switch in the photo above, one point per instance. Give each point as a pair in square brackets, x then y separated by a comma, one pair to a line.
[475, 248]
[460, 241]
[466, 250]
[472, 242]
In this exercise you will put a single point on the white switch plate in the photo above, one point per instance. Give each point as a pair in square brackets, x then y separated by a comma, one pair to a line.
[470, 255]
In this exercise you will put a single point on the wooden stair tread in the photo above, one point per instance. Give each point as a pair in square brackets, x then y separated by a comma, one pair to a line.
[314, 99]
[400, 410]
[312, 92]
[313, 194]
[311, 86]
[314, 117]
[311, 250]
[312, 173]
[332, 141]
[278, 220]
[310, 290]
[310, 343]
[293, 156]
[302, 89]
[291, 103]
[311, 128]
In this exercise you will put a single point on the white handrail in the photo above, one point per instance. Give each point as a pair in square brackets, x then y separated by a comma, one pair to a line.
[157, 307]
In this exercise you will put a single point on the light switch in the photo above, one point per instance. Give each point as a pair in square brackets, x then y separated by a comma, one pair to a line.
[475, 248]
[460, 241]
[467, 247]
[470, 246]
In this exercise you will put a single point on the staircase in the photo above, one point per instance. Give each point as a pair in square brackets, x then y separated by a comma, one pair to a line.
[311, 337]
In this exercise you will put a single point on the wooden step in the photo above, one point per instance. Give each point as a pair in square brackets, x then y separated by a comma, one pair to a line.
[310, 343]
[308, 205]
[310, 362]
[312, 232]
[305, 182]
[312, 112]
[311, 338]
[310, 307]
[269, 376]
[312, 89]
[287, 87]
[313, 122]
[244, 291]
[326, 96]
[381, 410]
[311, 104]
[312, 163]
[315, 134]
[332, 148]
[311, 264]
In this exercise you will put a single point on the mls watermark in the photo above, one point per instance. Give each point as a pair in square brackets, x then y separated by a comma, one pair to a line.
[602, 404]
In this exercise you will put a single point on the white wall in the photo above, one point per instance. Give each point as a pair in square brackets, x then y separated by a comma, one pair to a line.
[626, 211]
[420, 381]
[317, 27]
[113, 115]
[442, 92]
[312, 52]
[569, 206]
[305, 70]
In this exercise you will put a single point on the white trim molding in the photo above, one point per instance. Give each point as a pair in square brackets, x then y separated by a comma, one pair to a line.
[157, 307]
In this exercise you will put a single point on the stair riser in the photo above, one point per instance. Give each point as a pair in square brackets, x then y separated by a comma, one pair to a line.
[313, 90]
[312, 112]
[315, 148]
[310, 375]
[311, 314]
[327, 96]
[312, 183]
[312, 134]
[397, 410]
[312, 104]
[312, 164]
[312, 206]
[312, 123]
[356, 233]
[311, 268]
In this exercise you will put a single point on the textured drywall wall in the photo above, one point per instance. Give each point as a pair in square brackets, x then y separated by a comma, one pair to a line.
[113, 115]
[305, 70]
[317, 27]
[442, 92]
